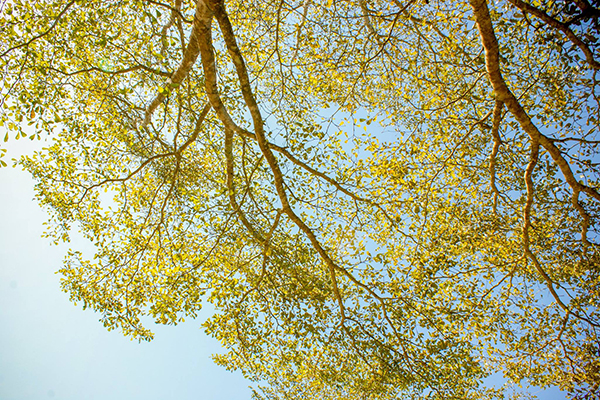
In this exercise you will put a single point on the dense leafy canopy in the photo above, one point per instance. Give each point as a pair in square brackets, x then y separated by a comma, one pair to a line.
[381, 199]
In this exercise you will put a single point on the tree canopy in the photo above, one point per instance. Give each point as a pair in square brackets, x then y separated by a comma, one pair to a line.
[381, 199]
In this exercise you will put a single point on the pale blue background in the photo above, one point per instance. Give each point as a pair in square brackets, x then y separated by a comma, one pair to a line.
[51, 349]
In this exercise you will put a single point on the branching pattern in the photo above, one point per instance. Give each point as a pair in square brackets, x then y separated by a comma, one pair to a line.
[380, 199]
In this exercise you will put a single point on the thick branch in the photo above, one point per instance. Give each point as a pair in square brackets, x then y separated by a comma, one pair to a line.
[367, 18]
[533, 159]
[174, 10]
[237, 209]
[497, 142]
[189, 58]
[504, 94]
[205, 41]
[242, 132]
[208, 63]
[175, 13]
[564, 28]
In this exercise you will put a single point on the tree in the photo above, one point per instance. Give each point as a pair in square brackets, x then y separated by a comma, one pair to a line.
[381, 199]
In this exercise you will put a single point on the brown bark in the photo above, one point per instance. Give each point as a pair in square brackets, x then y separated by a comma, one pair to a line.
[505, 95]
[561, 26]
[235, 54]
[497, 117]
[189, 59]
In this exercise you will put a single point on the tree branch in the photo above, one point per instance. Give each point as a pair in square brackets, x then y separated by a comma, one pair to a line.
[117, 72]
[497, 117]
[231, 187]
[533, 158]
[177, 152]
[189, 58]
[174, 10]
[503, 93]
[33, 39]
[205, 40]
[556, 24]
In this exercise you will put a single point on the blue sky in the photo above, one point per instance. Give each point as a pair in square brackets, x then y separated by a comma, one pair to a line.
[52, 349]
